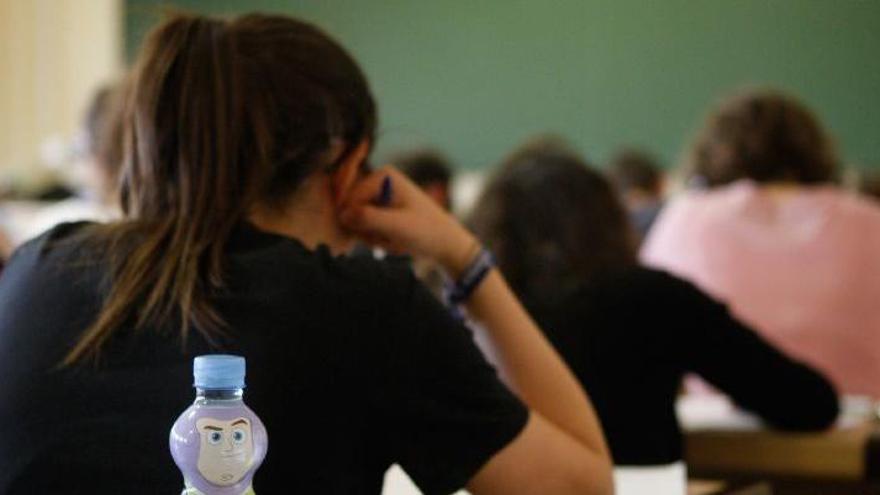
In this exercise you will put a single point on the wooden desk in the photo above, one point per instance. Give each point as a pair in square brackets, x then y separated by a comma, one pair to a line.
[723, 443]
[850, 454]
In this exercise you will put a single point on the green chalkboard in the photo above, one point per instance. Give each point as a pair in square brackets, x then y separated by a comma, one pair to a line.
[475, 77]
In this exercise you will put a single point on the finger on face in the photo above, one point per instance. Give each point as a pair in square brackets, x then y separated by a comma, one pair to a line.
[367, 219]
[366, 190]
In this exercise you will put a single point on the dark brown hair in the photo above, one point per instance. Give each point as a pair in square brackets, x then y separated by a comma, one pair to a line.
[221, 115]
[552, 221]
[631, 169]
[104, 128]
[423, 166]
[869, 184]
[763, 135]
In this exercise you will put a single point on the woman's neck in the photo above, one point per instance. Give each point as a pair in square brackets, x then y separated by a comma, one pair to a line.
[309, 216]
[781, 190]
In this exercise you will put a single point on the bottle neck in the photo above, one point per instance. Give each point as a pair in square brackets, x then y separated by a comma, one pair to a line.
[218, 395]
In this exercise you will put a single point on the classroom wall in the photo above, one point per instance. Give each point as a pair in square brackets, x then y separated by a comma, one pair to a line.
[53, 54]
[474, 78]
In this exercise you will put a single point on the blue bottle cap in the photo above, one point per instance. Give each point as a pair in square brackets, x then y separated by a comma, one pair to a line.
[219, 372]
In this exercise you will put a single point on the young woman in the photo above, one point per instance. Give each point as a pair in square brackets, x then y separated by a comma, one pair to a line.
[244, 178]
[794, 254]
[564, 242]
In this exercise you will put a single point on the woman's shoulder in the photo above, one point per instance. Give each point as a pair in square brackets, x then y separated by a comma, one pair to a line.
[55, 244]
[640, 294]
[631, 291]
[389, 275]
[861, 209]
[703, 206]
[683, 222]
[636, 280]
[57, 270]
[282, 264]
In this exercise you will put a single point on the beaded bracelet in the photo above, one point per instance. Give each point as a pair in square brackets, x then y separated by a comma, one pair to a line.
[459, 291]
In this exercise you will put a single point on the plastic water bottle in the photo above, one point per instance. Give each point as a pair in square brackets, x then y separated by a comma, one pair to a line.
[218, 442]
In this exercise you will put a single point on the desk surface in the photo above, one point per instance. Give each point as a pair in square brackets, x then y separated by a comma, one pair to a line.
[740, 446]
[838, 454]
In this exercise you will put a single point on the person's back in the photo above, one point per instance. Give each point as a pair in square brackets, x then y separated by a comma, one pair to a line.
[66, 432]
[796, 260]
[629, 333]
[339, 388]
[800, 266]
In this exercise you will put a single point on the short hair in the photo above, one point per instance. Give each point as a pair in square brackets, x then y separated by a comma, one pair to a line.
[103, 125]
[553, 222]
[630, 168]
[423, 166]
[763, 135]
[869, 184]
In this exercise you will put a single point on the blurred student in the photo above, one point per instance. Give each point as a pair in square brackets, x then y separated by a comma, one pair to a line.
[793, 254]
[99, 156]
[563, 240]
[639, 180]
[430, 170]
[245, 177]
[869, 185]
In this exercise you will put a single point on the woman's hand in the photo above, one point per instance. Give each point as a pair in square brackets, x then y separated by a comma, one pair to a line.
[409, 223]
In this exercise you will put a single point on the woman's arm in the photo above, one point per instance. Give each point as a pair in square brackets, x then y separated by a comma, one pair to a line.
[562, 449]
[787, 393]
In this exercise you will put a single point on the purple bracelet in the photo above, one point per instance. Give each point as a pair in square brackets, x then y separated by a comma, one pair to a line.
[462, 289]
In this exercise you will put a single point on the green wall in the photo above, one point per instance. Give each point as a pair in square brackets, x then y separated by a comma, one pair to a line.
[475, 77]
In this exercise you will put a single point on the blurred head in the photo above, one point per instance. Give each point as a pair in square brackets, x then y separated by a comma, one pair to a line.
[636, 171]
[765, 136]
[552, 221]
[430, 170]
[224, 117]
[103, 134]
[869, 184]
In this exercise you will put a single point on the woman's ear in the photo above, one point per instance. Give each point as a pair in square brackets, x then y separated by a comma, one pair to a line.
[347, 173]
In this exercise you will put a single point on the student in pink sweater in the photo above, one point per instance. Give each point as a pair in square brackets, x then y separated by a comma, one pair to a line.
[794, 255]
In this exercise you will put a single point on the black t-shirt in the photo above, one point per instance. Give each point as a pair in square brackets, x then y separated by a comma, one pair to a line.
[352, 366]
[630, 335]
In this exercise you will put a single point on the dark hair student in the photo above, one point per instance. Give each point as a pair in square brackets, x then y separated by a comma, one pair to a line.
[103, 133]
[244, 182]
[629, 333]
[430, 170]
[550, 226]
[764, 135]
[639, 182]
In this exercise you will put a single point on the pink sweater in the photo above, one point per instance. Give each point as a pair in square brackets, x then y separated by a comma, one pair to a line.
[801, 266]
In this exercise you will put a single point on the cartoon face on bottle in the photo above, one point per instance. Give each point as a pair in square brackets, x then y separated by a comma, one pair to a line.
[226, 452]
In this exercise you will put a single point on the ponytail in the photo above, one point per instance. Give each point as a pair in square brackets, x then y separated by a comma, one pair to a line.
[220, 114]
[181, 141]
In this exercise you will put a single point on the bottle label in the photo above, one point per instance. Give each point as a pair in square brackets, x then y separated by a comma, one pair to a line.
[226, 452]
[218, 449]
